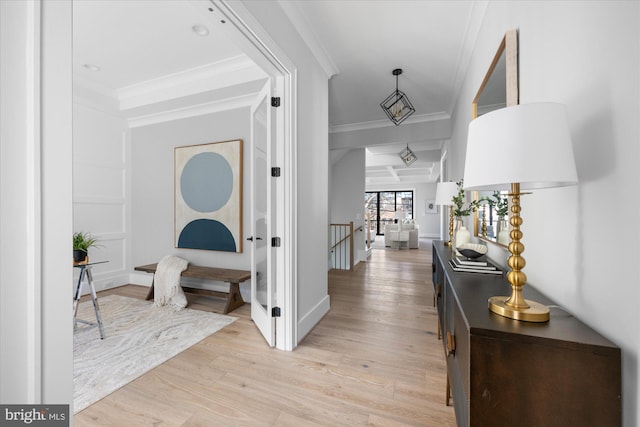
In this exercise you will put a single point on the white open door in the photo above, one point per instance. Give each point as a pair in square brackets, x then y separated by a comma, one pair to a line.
[263, 218]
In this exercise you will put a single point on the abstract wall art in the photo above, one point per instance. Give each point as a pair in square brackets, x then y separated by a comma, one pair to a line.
[208, 196]
[431, 207]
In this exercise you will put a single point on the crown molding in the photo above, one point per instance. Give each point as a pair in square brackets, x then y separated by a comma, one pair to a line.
[229, 72]
[193, 110]
[95, 96]
[474, 24]
[305, 29]
[90, 86]
[422, 118]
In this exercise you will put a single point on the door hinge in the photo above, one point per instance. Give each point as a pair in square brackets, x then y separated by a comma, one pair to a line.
[275, 242]
[275, 101]
[275, 172]
[275, 312]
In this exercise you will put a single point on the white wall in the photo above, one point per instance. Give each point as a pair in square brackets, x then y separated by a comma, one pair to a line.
[101, 189]
[582, 241]
[50, 380]
[152, 198]
[312, 165]
[35, 202]
[429, 222]
[347, 196]
[15, 186]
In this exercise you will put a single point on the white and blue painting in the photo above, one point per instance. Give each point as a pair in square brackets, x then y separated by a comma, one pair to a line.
[208, 196]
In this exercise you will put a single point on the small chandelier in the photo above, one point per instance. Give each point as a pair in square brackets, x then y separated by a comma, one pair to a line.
[397, 105]
[407, 156]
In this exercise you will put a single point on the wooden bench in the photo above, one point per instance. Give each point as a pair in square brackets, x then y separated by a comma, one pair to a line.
[233, 277]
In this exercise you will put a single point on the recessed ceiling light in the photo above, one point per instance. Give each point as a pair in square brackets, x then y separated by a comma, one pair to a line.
[91, 67]
[200, 30]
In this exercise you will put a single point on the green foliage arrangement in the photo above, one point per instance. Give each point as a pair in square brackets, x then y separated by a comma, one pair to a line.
[83, 241]
[459, 202]
[488, 200]
[497, 201]
[501, 204]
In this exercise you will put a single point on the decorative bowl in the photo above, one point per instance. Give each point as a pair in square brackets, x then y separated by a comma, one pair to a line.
[472, 250]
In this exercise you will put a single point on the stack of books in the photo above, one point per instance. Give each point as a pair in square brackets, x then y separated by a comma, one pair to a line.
[466, 265]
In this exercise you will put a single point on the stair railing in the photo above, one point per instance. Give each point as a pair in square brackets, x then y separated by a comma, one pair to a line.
[341, 245]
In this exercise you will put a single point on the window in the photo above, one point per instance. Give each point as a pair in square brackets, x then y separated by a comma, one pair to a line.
[385, 207]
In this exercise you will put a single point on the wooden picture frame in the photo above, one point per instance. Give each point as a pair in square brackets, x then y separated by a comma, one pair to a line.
[208, 196]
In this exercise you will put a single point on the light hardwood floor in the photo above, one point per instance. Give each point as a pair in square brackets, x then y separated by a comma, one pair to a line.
[374, 360]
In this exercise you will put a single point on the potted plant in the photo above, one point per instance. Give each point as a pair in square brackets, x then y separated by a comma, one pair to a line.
[462, 235]
[81, 244]
[459, 210]
[501, 203]
[487, 231]
[502, 208]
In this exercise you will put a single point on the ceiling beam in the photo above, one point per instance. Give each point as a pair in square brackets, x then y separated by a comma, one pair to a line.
[405, 133]
[393, 173]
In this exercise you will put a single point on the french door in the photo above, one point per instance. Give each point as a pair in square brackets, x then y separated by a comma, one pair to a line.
[263, 217]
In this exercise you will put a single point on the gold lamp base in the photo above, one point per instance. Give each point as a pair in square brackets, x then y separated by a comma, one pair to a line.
[536, 312]
[450, 243]
[515, 306]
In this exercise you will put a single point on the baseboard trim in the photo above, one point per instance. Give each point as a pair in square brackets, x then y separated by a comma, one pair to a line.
[142, 279]
[430, 236]
[102, 283]
[311, 319]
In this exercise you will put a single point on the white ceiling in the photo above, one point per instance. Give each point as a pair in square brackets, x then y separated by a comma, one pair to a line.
[136, 41]
[147, 52]
[364, 41]
[153, 65]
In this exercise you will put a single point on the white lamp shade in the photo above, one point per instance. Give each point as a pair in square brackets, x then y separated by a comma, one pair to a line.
[445, 191]
[528, 144]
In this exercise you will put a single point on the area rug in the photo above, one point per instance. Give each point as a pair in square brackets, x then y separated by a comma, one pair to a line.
[138, 337]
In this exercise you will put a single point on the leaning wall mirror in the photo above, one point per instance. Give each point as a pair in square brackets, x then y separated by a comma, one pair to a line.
[499, 89]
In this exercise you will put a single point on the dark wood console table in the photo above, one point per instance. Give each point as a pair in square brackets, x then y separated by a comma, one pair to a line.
[502, 372]
[233, 277]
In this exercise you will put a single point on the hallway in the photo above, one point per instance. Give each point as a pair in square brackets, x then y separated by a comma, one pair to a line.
[382, 319]
[374, 360]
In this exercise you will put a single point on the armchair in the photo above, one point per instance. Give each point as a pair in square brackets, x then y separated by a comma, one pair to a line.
[406, 225]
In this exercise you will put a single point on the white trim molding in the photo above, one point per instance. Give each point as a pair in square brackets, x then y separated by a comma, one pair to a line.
[311, 319]
[33, 208]
[304, 28]
[216, 106]
[210, 77]
[21, 329]
[421, 118]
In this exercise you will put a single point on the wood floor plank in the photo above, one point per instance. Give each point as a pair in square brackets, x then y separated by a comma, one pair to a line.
[374, 360]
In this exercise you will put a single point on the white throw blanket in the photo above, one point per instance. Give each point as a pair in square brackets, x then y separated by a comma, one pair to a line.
[167, 289]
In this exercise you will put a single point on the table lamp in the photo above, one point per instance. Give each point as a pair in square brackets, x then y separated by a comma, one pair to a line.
[523, 147]
[445, 192]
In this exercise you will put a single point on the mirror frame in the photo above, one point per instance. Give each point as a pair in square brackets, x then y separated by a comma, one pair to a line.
[508, 47]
